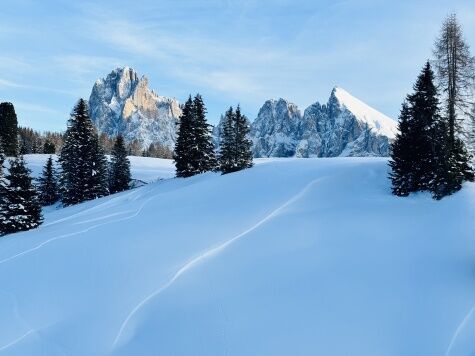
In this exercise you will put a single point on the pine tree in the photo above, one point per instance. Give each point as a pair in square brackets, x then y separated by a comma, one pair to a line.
[235, 147]
[3, 192]
[424, 106]
[119, 167]
[9, 129]
[21, 209]
[185, 142]
[244, 144]
[203, 155]
[227, 145]
[48, 186]
[84, 174]
[402, 161]
[49, 147]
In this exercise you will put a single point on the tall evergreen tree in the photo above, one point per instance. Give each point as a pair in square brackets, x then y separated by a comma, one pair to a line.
[235, 147]
[9, 129]
[3, 191]
[48, 186]
[243, 143]
[84, 174]
[21, 209]
[203, 155]
[49, 147]
[119, 167]
[424, 106]
[185, 142]
[194, 149]
[402, 160]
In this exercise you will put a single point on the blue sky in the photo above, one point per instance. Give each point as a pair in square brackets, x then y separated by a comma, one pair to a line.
[231, 51]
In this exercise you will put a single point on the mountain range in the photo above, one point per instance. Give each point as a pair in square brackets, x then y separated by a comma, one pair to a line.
[344, 126]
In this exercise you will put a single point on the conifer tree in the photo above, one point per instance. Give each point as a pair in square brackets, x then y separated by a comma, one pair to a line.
[21, 209]
[185, 142]
[203, 155]
[3, 191]
[235, 146]
[227, 161]
[48, 186]
[9, 129]
[84, 174]
[424, 106]
[402, 162]
[119, 167]
[244, 144]
[49, 147]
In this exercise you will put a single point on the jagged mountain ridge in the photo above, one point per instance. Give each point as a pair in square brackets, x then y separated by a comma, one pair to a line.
[123, 103]
[345, 126]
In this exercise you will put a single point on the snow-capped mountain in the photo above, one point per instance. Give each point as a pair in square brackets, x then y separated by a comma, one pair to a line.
[345, 126]
[123, 103]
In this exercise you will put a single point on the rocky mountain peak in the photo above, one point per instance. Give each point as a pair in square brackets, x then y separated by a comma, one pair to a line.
[123, 103]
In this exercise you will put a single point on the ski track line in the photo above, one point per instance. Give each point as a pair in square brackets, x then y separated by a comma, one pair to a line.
[209, 253]
[459, 329]
[135, 214]
[87, 210]
[17, 340]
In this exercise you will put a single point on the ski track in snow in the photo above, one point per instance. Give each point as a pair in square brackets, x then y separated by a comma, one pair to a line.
[459, 329]
[61, 237]
[17, 340]
[207, 254]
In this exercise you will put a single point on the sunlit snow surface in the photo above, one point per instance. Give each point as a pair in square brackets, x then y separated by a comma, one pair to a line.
[291, 257]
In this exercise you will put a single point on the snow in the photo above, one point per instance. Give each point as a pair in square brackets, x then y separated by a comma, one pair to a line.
[291, 257]
[381, 123]
[146, 169]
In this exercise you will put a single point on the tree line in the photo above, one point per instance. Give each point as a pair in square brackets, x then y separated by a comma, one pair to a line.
[429, 152]
[82, 171]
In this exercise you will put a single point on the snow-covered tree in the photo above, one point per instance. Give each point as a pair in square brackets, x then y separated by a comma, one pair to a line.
[20, 207]
[48, 185]
[84, 173]
[119, 175]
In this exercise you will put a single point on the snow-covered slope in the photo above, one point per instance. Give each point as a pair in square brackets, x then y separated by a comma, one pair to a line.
[345, 126]
[144, 169]
[291, 257]
[123, 103]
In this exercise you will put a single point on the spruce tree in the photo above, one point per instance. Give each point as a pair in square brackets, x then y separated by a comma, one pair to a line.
[402, 160]
[227, 161]
[9, 129]
[202, 154]
[185, 142]
[21, 209]
[243, 143]
[424, 106]
[235, 147]
[84, 174]
[48, 186]
[49, 147]
[119, 167]
[3, 191]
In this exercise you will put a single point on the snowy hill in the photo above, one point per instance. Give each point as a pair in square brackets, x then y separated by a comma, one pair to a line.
[291, 257]
[345, 126]
[145, 169]
[123, 103]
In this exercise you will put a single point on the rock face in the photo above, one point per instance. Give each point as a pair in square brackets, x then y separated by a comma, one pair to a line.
[123, 103]
[344, 126]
